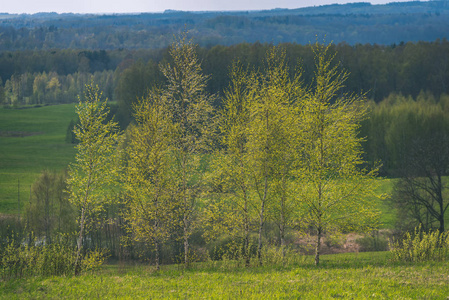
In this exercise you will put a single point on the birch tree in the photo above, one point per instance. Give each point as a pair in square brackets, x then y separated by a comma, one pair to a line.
[258, 128]
[336, 192]
[234, 212]
[190, 111]
[94, 169]
[148, 178]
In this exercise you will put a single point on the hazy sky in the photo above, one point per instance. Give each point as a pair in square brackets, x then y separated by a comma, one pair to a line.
[124, 6]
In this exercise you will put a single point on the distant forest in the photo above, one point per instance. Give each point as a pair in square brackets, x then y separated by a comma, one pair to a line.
[48, 58]
[33, 77]
[358, 23]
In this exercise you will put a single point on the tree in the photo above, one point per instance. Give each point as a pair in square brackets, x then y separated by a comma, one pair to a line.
[419, 194]
[133, 84]
[234, 212]
[334, 190]
[49, 210]
[95, 167]
[283, 94]
[259, 136]
[271, 139]
[190, 112]
[148, 179]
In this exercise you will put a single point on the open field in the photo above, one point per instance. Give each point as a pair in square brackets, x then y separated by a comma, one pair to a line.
[348, 276]
[31, 140]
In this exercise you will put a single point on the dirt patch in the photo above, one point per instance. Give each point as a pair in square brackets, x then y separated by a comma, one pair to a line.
[345, 242]
[18, 133]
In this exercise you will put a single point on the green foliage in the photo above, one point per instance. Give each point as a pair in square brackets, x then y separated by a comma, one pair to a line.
[93, 260]
[258, 130]
[96, 166]
[400, 127]
[421, 246]
[49, 212]
[148, 178]
[70, 136]
[190, 112]
[335, 191]
[410, 137]
[134, 83]
[57, 259]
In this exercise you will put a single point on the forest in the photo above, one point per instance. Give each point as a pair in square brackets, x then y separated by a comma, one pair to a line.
[191, 155]
[354, 23]
[58, 76]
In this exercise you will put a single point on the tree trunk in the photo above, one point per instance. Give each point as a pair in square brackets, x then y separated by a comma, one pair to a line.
[259, 248]
[440, 202]
[282, 234]
[186, 245]
[262, 212]
[282, 223]
[80, 243]
[318, 246]
[246, 246]
[186, 212]
[156, 245]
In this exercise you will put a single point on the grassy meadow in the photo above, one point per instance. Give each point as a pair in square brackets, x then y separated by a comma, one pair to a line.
[368, 275]
[31, 140]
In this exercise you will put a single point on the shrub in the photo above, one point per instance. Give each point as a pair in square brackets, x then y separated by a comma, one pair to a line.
[93, 260]
[26, 260]
[421, 246]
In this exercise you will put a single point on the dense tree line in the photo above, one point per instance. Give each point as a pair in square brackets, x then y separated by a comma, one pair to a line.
[410, 137]
[39, 77]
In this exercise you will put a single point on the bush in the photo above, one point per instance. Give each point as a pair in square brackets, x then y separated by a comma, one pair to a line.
[421, 246]
[93, 260]
[25, 260]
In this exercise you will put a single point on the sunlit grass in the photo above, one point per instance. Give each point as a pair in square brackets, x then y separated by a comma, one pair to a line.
[350, 276]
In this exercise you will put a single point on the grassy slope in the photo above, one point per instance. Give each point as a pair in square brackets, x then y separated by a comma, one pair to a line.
[348, 276]
[23, 158]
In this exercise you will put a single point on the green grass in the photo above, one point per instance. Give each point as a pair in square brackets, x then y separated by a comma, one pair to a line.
[348, 276]
[31, 140]
[388, 216]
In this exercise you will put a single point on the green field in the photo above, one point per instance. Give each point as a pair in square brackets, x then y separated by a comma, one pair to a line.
[348, 276]
[31, 140]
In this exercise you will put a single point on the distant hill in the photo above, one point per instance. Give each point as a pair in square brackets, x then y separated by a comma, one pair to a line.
[351, 23]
